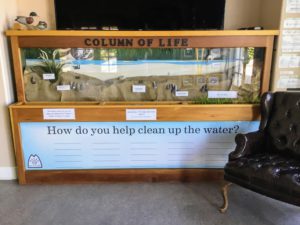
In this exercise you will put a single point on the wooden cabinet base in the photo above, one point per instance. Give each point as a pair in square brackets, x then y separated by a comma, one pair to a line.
[25, 113]
[125, 175]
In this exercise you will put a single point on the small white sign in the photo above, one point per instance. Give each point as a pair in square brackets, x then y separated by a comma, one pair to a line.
[141, 114]
[291, 32]
[290, 43]
[289, 61]
[286, 72]
[293, 6]
[291, 23]
[182, 93]
[288, 82]
[63, 87]
[59, 114]
[34, 161]
[139, 88]
[48, 76]
[222, 94]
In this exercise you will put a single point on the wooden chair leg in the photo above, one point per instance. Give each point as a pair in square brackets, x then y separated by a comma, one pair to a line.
[225, 197]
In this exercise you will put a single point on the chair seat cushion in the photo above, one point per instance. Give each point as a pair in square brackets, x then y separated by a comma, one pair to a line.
[267, 171]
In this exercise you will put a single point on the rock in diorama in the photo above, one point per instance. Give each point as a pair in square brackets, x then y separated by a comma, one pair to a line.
[198, 75]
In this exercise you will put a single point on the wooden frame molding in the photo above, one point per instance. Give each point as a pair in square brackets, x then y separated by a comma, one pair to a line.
[196, 39]
[78, 33]
[125, 175]
[194, 42]
[108, 113]
[84, 113]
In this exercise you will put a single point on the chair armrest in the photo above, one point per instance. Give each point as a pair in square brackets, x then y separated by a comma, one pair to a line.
[247, 144]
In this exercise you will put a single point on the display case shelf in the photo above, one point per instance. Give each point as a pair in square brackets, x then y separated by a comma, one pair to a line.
[147, 66]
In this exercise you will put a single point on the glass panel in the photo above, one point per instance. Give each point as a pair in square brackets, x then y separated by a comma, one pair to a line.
[198, 75]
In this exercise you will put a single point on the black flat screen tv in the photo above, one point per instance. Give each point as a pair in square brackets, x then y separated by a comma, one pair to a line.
[140, 14]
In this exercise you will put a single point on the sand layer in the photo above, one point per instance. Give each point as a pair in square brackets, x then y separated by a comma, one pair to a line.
[158, 88]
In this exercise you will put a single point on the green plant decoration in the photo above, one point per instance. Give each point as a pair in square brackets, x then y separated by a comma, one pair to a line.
[49, 65]
[242, 100]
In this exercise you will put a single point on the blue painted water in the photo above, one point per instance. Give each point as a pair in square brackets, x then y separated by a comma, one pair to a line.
[139, 62]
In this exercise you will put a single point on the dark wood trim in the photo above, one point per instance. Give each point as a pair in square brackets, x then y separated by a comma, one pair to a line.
[169, 33]
[125, 175]
[109, 113]
[193, 42]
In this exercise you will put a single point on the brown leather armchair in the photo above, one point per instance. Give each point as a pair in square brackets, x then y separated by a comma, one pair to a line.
[268, 161]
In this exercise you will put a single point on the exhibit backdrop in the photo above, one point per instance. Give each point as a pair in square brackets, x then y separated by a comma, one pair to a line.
[123, 145]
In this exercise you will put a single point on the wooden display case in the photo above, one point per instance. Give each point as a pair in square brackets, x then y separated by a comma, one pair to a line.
[115, 111]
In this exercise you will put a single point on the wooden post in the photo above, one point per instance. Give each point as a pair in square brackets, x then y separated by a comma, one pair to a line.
[265, 81]
[18, 70]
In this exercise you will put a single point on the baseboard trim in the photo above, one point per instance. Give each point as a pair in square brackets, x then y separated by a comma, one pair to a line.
[8, 173]
[121, 175]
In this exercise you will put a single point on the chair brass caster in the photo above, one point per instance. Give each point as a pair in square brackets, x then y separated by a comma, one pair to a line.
[224, 190]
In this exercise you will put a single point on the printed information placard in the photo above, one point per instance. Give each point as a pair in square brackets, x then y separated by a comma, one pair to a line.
[121, 145]
[141, 114]
[59, 114]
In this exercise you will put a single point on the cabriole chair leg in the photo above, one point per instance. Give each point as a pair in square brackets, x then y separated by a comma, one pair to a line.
[225, 197]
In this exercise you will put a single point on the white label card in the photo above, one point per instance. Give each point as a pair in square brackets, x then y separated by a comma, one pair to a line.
[291, 43]
[59, 114]
[63, 87]
[286, 72]
[138, 88]
[288, 82]
[222, 94]
[293, 6]
[48, 76]
[289, 61]
[141, 114]
[291, 32]
[182, 93]
[291, 23]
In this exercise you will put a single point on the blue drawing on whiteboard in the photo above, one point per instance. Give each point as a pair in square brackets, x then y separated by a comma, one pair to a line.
[34, 161]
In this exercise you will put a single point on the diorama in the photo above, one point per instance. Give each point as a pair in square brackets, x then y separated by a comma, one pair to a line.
[196, 75]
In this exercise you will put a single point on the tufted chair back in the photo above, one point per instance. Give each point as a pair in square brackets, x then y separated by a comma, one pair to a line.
[283, 126]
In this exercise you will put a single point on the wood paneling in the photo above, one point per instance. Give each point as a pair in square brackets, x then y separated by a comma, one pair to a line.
[108, 113]
[33, 113]
[126, 175]
[265, 83]
[192, 42]
[16, 133]
[18, 70]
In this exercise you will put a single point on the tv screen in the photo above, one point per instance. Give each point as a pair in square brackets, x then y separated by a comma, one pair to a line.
[140, 15]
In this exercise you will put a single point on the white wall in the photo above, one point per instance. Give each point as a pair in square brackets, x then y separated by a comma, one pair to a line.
[242, 13]
[270, 13]
[8, 12]
[44, 9]
[249, 13]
